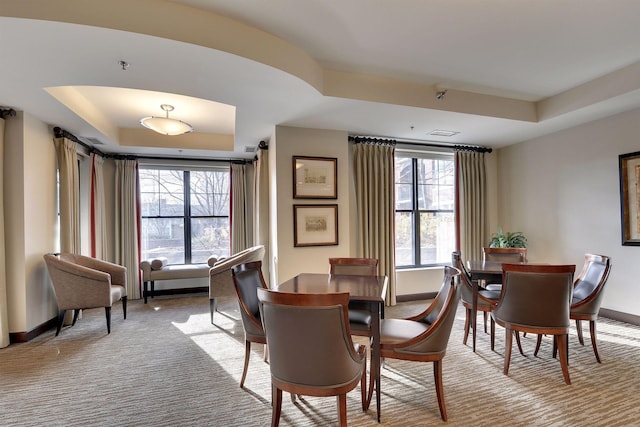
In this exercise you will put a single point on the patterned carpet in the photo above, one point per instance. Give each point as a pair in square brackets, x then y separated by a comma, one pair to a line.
[166, 365]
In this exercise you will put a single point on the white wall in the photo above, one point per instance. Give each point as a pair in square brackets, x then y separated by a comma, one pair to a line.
[563, 192]
[30, 220]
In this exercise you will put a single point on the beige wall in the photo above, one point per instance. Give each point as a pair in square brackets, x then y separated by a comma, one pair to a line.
[562, 191]
[289, 141]
[30, 220]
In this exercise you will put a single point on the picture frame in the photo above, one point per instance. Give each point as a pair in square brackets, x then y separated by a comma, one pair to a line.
[315, 225]
[315, 177]
[629, 166]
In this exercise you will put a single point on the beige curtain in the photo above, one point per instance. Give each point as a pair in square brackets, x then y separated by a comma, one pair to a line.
[99, 238]
[4, 316]
[69, 199]
[127, 222]
[374, 179]
[261, 207]
[472, 192]
[240, 209]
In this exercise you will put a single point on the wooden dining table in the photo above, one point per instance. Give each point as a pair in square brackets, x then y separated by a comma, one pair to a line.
[366, 289]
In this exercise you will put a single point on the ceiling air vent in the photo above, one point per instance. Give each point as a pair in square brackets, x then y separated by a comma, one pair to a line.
[248, 149]
[93, 141]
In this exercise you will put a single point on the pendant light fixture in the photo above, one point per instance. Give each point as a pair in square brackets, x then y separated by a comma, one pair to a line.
[166, 125]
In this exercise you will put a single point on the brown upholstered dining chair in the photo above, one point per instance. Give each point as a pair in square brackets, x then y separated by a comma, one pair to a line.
[535, 299]
[247, 278]
[487, 300]
[359, 313]
[588, 291]
[310, 348]
[424, 337]
[81, 282]
[510, 255]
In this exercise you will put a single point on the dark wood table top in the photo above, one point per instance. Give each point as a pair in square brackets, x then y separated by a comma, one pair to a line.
[360, 288]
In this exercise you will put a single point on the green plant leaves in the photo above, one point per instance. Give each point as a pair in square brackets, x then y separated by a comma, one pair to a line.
[510, 239]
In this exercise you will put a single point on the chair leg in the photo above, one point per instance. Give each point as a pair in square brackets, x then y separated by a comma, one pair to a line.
[276, 403]
[564, 357]
[107, 312]
[124, 306]
[592, 330]
[519, 343]
[363, 386]
[247, 354]
[76, 313]
[213, 307]
[342, 409]
[493, 334]
[508, 342]
[538, 342]
[467, 325]
[579, 330]
[60, 320]
[484, 313]
[437, 374]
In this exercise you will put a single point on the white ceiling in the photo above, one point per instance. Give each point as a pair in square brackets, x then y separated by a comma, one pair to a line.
[513, 70]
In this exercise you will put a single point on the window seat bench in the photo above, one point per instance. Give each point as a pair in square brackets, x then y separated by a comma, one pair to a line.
[157, 269]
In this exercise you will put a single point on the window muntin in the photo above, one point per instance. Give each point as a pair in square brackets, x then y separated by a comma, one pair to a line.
[425, 222]
[185, 233]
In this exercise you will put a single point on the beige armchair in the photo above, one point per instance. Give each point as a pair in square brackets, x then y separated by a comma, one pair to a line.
[220, 277]
[81, 282]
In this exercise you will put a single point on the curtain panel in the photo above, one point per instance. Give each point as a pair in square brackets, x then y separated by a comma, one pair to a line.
[127, 223]
[261, 208]
[375, 195]
[99, 240]
[4, 315]
[472, 193]
[69, 177]
[239, 208]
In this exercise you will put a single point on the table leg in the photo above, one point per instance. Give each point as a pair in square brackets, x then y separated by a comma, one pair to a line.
[376, 312]
[474, 311]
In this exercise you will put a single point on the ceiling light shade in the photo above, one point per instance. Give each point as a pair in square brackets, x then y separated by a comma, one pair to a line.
[165, 125]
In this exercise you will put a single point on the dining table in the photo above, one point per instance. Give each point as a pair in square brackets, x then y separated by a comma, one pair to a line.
[370, 290]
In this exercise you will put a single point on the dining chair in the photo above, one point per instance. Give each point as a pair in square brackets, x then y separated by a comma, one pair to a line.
[425, 336]
[511, 255]
[536, 299]
[310, 348]
[247, 278]
[588, 291]
[487, 299]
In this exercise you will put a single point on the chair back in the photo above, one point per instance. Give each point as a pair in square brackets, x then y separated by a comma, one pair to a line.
[589, 285]
[466, 286]
[308, 339]
[354, 266]
[247, 278]
[536, 296]
[443, 313]
[512, 255]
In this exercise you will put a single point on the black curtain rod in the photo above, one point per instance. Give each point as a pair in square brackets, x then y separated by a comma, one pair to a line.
[7, 112]
[59, 133]
[456, 147]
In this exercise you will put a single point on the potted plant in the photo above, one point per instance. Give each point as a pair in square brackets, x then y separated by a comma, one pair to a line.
[509, 239]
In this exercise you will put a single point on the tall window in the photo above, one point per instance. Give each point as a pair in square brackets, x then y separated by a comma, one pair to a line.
[425, 223]
[185, 214]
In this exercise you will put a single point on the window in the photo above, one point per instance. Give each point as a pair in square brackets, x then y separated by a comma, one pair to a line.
[425, 222]
[185, 214]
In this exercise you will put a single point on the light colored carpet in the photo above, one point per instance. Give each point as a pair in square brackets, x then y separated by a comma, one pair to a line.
[166, 365]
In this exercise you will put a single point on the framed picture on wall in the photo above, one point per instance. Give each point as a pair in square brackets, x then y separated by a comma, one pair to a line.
[315, 177]
[629, 165]
[315, 225]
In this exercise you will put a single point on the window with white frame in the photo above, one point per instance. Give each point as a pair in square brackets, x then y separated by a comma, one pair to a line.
[185, 213]
[425, 221]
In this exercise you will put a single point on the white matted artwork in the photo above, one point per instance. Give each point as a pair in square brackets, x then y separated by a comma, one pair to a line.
[315, 225]
[315, 177]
